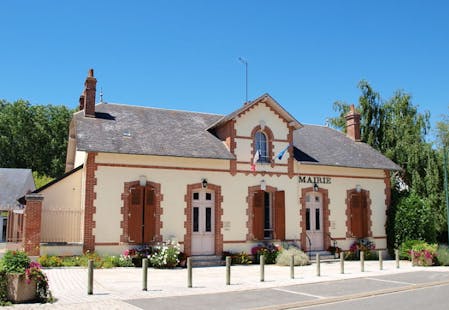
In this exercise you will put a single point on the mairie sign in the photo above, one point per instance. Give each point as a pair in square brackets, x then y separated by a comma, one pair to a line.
[313, 180]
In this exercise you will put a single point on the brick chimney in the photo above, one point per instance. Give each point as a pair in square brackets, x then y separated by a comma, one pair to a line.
[89, 94]
[353, 124]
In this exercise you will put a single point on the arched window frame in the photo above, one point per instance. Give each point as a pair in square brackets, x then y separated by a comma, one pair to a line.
[267, 156]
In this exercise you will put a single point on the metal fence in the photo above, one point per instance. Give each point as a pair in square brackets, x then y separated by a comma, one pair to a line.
[61, 225]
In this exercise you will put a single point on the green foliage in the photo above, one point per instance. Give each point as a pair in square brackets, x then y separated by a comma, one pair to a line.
[284, 257]
[406, 248]
[50, 261]
[443, 255]
[270, 251]
[3, 289]
[241, 258]
[423, 254]
[165, 255]
[414, 219]
[41, 180]
[34, 136]
[395, 128]
[15, 262]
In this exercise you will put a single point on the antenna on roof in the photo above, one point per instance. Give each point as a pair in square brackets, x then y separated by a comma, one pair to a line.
[101, 95]
[243, 61]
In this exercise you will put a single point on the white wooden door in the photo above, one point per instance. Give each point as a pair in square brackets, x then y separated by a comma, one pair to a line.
[314, 220]
[203, 224]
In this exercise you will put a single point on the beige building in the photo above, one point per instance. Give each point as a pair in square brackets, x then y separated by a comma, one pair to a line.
[214, 183]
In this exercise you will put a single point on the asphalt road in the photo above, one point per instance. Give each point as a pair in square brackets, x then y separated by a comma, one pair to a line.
[414, 290]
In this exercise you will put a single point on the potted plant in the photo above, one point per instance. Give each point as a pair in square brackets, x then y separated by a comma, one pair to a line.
[25, 280]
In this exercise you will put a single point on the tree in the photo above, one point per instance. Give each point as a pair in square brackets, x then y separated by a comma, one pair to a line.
[34, 136]
[396, 128]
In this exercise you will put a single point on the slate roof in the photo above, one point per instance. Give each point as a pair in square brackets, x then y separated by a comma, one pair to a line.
[14, 184]
[319, 145]
[149, 131]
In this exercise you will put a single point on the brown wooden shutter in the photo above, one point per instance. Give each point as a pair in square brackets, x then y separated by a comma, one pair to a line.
[356, 216]
[258, 215]
[364, 216]
[135, 215]
[279, 215]
[149, 215]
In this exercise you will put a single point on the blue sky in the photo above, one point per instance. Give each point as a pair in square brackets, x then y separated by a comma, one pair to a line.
[184, 54]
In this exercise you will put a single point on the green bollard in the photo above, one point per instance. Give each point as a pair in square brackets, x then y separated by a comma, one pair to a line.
[292, 267]
[381, 261]
[145, 274]
[90, 277]
[318, 267]
[396, 254]
[362, 261]
[189, 272]
[228, 270]
[342, 262]
[262, 268]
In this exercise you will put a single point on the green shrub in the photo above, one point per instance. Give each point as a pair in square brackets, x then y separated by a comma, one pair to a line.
[15, 262]
[406, 247]
[423, 254]
[50, 261]
[166, 255]
[3, 289]
[270, 251]
[443, 255]
[284, 257]
[414, 220]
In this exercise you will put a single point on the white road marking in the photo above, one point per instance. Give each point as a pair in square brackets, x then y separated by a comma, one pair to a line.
[391, 281]
[298, 293]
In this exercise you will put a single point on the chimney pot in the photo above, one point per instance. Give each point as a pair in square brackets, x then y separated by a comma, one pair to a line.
[89, 94]
[353, 124]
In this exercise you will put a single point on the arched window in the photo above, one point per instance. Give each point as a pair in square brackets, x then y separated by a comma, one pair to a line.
[260, 141]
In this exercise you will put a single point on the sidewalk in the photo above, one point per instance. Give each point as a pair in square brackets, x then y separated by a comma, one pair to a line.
[111, 286]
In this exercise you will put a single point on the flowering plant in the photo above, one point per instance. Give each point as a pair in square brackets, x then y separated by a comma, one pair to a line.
[269, 250]
[34, 272]
[361, 245]
[166, 255]
[423, 254]
[135, 255]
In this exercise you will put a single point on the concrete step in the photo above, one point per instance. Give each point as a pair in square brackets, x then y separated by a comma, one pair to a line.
[324, 256]
[206, 261]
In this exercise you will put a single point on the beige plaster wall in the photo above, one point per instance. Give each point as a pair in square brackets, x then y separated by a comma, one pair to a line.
[80, 158]
[110, 186]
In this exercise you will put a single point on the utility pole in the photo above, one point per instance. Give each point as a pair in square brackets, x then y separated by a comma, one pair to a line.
[243, 61]
[445, 187]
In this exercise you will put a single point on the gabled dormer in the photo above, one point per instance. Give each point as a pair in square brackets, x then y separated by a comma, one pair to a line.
[255, 134]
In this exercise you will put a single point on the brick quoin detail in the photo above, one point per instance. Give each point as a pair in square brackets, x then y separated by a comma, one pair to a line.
[89, 208]
[32, 224]
[366, 193]
[126, 205]
[250, 208]
[218, 217]
[387, 189]
[326, 214]
[290, 161]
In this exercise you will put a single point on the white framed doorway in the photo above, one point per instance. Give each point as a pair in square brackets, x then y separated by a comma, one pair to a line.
[314, 220]
[203, 222]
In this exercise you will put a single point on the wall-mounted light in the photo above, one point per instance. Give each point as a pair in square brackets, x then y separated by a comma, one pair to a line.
[204, 183]
[315, 187]
[358, 188]
[263, 185]
[142, 180]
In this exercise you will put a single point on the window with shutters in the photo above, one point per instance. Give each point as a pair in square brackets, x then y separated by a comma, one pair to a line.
[269, 215]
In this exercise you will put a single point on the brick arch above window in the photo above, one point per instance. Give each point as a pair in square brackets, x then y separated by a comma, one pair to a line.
[270, 147]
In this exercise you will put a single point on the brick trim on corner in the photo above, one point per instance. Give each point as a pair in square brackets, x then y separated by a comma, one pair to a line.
[32, 224]
[326, 214]
[369, 223]
[218, 217]
[250, 208]
[89, 208]
[124, 210]
[387, 182]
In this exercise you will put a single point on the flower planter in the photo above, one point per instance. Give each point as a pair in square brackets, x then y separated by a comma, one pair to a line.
[19, 289]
